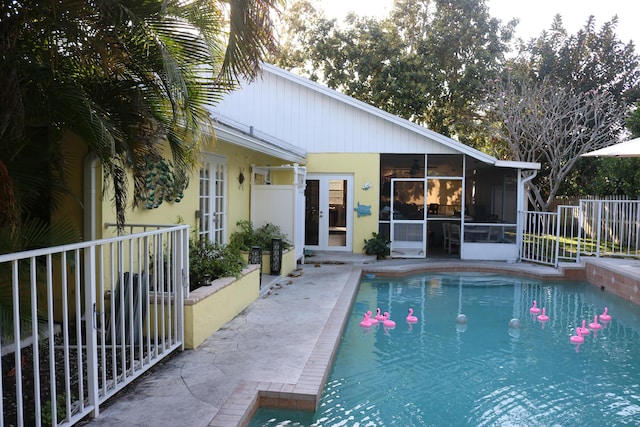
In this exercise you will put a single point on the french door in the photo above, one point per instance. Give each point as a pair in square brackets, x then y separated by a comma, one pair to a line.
[329, 212]
[213, 177]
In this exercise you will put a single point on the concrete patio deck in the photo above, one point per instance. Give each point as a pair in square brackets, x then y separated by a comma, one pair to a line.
[278, 351]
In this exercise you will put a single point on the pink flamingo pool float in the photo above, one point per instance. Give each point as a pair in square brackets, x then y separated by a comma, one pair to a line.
[388, 323]
[534, 308]
[605, 317]
[379, 316]
[543, 317]
[577, 338]
[411, 318]
[583, 330]
[366, 321]
[595, 325]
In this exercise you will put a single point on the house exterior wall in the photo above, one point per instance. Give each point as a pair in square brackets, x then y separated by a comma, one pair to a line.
[238, 195]
[365, 169]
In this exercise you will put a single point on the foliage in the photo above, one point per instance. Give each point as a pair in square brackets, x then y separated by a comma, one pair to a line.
[614, 176]
[61, 410]
[377, 245]
[633, 121]
[213, 259]
[426, 62]
[128, 77]
[246, 236]
[589, 60]
[33, 233]
[430, 60]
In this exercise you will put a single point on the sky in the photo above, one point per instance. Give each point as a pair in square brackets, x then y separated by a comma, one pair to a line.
[534, 16]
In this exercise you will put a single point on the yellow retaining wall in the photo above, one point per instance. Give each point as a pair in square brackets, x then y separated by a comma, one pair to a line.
[208, 308]
[289, 262]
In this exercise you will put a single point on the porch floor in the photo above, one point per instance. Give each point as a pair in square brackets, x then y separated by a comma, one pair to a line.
[277, 351]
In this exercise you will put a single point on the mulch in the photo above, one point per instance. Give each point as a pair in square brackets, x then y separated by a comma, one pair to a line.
[9, 385]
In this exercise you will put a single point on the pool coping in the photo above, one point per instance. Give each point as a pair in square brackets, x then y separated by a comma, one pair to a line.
[305, 395]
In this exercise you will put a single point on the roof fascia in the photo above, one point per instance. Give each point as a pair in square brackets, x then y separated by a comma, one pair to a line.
[241, 139]
[517, 165]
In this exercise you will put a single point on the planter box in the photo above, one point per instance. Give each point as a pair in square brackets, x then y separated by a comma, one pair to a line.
[208, 308]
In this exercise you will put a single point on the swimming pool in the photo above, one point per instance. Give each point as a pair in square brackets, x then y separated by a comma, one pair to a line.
[439, 372]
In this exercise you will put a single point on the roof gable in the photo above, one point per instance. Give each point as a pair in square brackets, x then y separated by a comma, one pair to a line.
[319, 119]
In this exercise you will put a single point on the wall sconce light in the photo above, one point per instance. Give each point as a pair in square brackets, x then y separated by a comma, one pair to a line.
[366, 186]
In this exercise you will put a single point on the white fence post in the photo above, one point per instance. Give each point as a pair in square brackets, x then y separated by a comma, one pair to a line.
[90, 322]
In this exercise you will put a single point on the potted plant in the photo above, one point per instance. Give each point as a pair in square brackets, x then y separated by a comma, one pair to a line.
[377, 245]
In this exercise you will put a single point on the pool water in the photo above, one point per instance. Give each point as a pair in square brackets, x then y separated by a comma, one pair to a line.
[483, 373]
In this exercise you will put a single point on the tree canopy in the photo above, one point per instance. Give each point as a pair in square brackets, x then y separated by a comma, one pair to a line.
[426, 62]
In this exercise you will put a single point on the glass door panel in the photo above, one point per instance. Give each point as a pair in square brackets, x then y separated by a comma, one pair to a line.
[329, 204]
[337, 212]
[408, 225]
[312, 215]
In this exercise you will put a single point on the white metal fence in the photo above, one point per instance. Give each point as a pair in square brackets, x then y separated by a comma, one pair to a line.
[593, 228]
[101, 312]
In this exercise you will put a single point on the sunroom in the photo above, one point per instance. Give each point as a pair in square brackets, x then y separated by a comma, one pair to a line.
[447, 204]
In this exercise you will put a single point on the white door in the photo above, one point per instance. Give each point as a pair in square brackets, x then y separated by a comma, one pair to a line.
[329, 212]
[408, 225]
[213, 184]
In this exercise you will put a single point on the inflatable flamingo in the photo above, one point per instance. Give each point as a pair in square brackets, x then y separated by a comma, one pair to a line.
[543, 317]
[595, 325]
[411, 318]
[582, 330]
[379, 316]
[577, 338]
[388, 323]
[605, 315]
[534, 308]
[373, 320]
[366, 321]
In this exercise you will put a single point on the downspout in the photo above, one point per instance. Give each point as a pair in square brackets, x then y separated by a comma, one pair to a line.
[522, 184]
[89, 197]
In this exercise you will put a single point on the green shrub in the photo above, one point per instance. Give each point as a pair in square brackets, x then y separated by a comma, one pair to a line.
[214, 260]
[378, 245]
[47, 411]
[246, 236]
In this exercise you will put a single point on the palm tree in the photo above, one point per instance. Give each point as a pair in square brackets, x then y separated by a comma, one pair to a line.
[127, 76]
